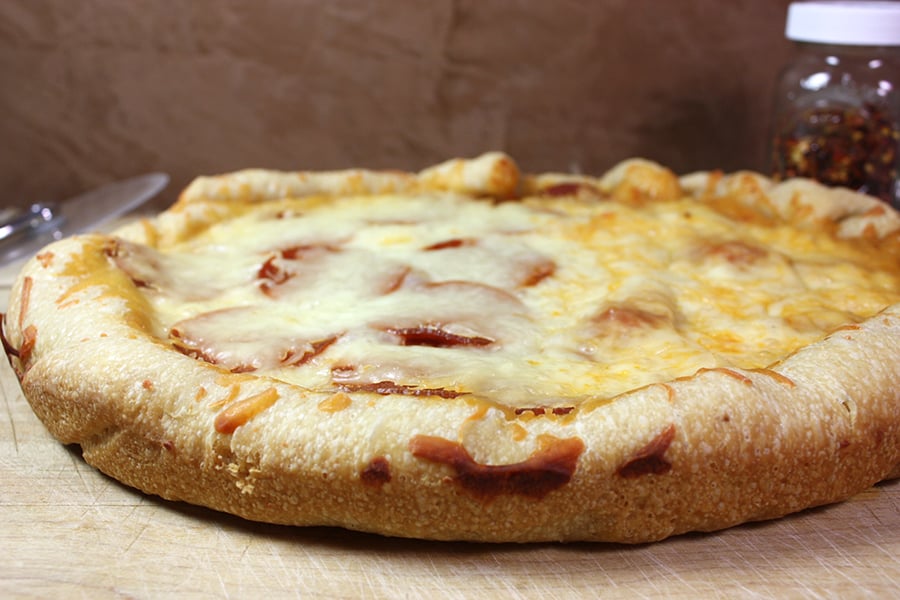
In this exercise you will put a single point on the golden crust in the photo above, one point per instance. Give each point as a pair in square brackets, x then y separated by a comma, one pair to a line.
[702, 452]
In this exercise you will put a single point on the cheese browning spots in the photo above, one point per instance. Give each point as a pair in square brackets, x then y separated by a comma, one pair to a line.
[570, 294]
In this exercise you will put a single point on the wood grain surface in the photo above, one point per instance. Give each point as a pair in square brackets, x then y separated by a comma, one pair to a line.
[70, 532]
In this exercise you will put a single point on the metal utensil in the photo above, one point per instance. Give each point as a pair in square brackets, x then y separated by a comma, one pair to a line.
[36, 217]
[24, 232]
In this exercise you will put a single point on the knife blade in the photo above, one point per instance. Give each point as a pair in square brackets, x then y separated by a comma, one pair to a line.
[85, 212]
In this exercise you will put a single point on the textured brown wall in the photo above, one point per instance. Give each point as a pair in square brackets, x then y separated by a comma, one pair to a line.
[93, 90]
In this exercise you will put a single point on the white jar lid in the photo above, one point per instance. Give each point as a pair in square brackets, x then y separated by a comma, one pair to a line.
[855, 23]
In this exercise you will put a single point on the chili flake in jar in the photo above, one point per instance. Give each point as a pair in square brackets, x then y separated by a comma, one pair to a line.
[853, 147]
[837, 103]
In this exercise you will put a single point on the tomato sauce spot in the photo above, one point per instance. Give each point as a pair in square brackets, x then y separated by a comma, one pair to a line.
[547, 469]
[377, 472]
[650, 459]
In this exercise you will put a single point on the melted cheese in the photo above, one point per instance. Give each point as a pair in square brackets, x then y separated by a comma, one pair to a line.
[534, 302]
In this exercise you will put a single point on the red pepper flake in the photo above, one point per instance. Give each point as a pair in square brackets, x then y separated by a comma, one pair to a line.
[853, 147]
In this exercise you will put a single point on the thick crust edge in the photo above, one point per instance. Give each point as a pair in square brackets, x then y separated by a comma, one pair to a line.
[715, 449]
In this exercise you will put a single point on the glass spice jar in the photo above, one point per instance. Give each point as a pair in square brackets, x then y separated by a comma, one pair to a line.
[837, 107]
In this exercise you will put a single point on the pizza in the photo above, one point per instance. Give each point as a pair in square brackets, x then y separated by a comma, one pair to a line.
[471, 352]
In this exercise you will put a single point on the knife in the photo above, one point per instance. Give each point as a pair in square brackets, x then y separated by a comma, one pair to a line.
[23, 233]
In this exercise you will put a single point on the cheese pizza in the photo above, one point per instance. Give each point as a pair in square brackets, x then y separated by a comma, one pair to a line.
[473, 353]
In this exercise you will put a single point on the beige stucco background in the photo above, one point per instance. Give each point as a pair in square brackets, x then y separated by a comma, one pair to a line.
[94, 90]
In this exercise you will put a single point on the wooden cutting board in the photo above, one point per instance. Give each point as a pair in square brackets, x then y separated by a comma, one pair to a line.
[69, 532]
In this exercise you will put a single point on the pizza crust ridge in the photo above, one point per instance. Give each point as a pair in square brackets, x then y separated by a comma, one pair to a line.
[711, 448]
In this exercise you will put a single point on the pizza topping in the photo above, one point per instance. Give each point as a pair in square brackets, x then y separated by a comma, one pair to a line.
[543, 410]
[299, 251]
[624, 317]
[141, 265]
[736, 252]
[492, 260]
[452, 314]
[387, 388]
[435, 336]
[177, 276]
[272, 274]
[643, 313]
[247, 344]
[571, 188]
[452, 243]
[549, 468]
[440, 295]
[294, 356]
[377, 472]
[536, 272]
[282, 265]
[29, 338]
[651, 458]
[468, 291]
[311, 272]
[241, 411]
